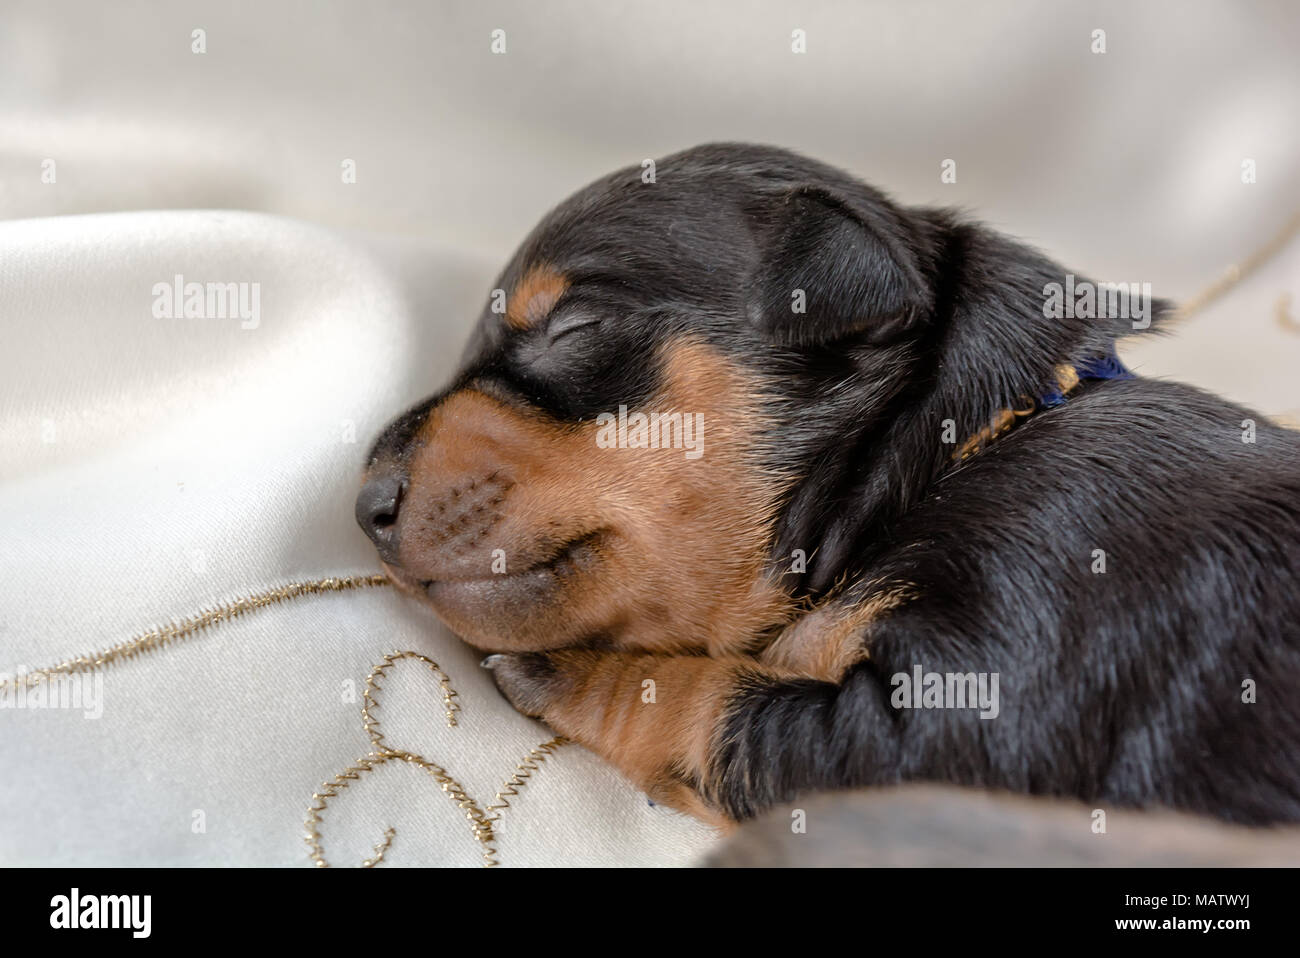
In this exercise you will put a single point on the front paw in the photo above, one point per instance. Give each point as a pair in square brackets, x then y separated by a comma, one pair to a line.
[533, 682]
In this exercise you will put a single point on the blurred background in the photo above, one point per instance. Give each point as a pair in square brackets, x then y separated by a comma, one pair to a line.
[1126, 165]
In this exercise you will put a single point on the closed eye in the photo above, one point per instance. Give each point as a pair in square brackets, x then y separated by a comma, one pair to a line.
[569, 324]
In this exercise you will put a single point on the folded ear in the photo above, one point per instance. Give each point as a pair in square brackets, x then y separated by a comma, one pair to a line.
[833, 268]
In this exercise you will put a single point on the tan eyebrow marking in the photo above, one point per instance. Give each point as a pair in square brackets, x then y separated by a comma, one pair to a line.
[535, 296]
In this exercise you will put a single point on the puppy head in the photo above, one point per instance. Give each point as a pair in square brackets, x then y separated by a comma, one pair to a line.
[610, 462]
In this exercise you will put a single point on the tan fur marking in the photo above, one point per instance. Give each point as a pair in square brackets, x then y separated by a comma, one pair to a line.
[682, 543]
[1067, 379]
[534, 297]
[829, 640]
[658, 744]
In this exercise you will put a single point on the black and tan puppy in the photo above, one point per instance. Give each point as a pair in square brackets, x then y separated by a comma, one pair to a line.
[759, 481]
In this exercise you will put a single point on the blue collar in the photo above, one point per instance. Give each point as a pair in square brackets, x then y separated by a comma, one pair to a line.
[1100, 367]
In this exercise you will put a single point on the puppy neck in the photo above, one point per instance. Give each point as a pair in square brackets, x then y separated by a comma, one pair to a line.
[995, 342]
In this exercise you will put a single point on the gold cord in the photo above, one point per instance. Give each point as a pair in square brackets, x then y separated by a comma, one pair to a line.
[161, 637]
[480, 821]
[523, 772]
[371, 723]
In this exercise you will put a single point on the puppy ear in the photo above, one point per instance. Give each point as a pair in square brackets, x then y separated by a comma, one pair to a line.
[834, 268]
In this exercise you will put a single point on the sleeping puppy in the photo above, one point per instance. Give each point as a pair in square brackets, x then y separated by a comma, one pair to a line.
[761, 484]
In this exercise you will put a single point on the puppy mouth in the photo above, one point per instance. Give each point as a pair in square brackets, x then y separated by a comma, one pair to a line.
[512, 592]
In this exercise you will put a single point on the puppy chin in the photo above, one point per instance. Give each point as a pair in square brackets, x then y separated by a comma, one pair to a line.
[531, 609]
[500, 615]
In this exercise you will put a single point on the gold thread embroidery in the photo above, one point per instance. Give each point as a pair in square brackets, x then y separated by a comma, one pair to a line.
[479, 825]
[524, 771]
[381, 849]
[161, 637]
[368, 703]
[166, 635]
[480, 820]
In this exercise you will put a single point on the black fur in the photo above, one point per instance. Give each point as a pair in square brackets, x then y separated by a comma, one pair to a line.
[1121, 687]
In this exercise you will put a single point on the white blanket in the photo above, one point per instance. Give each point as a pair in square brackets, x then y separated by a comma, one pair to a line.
[159, 467]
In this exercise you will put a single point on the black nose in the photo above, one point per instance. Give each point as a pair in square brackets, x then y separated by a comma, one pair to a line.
[377, 505]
